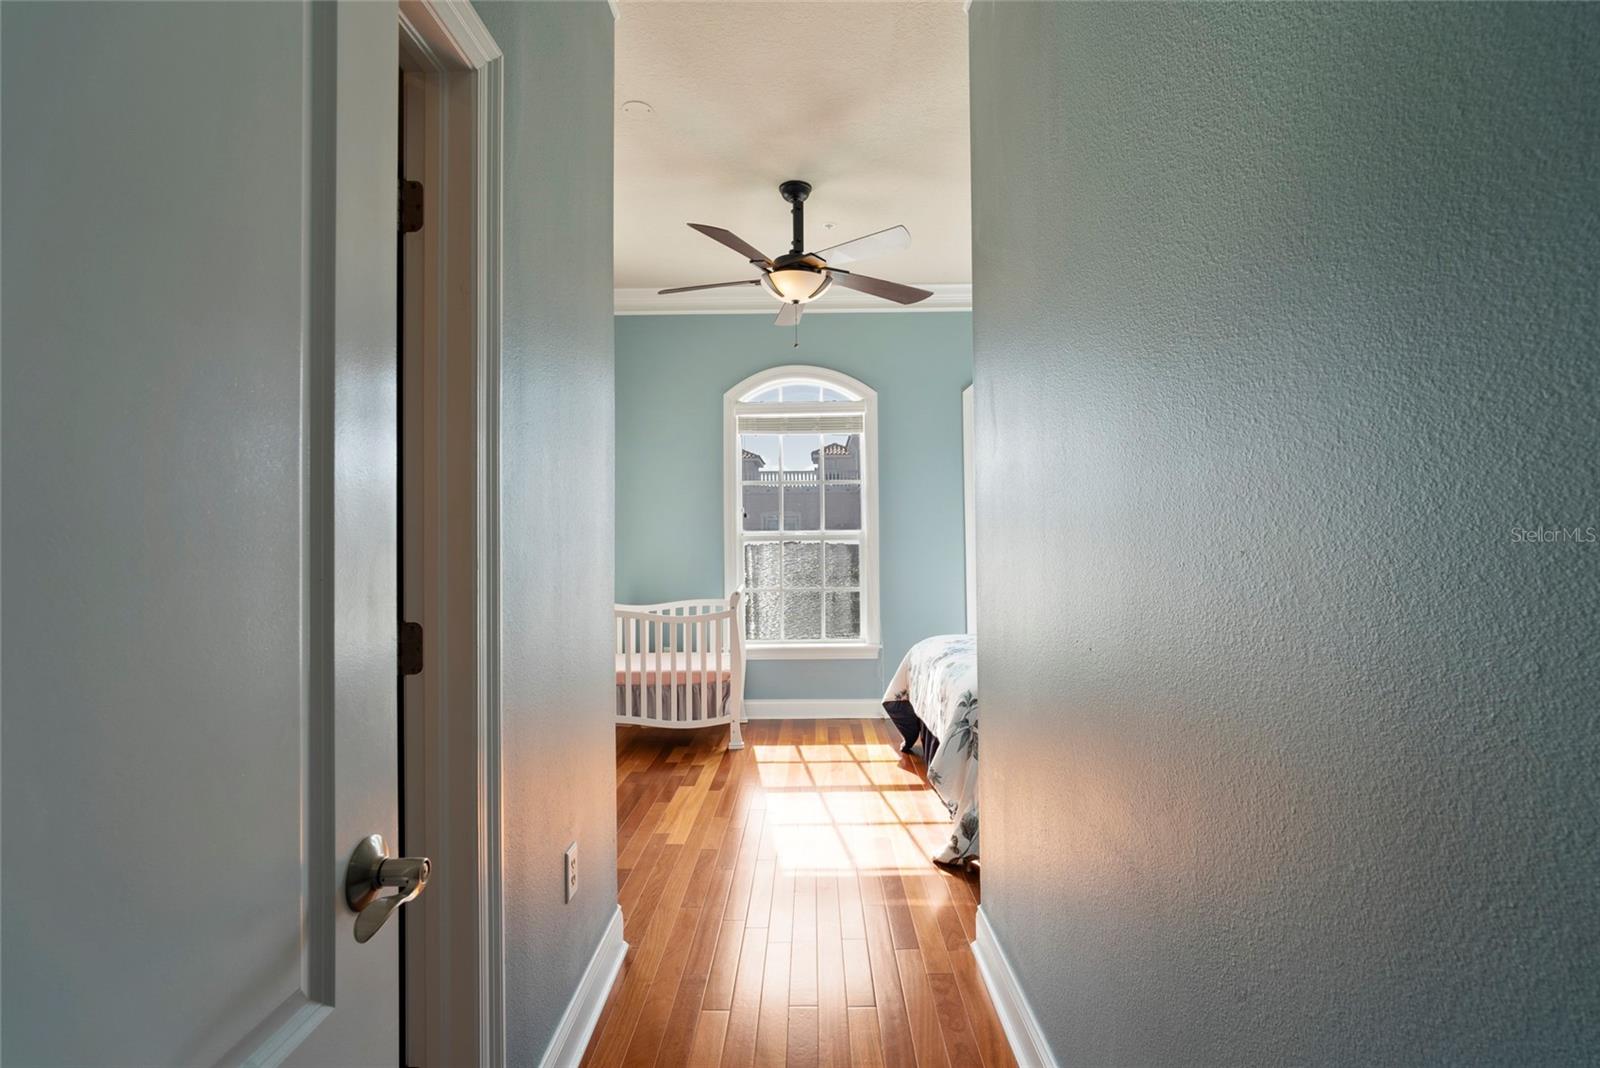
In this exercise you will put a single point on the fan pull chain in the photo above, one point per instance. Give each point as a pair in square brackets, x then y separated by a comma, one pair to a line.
[796, 333]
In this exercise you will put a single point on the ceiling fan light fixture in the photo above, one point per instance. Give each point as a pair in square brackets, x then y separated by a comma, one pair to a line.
[795, 285]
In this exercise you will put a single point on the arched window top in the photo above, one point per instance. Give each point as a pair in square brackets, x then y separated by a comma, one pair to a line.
[800, 385]
[797, 391]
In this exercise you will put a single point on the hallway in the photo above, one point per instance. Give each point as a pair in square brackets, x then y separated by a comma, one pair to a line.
[780, 907]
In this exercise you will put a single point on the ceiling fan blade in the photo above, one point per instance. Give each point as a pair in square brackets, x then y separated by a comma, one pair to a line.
[789, 314]
[877, 287]
[710, 285]
[884, 241]
[733, 241]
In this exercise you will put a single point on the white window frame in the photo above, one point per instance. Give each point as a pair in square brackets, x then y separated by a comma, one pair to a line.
[869, 645]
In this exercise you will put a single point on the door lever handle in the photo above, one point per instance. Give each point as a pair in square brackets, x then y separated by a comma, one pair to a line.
[372, 870]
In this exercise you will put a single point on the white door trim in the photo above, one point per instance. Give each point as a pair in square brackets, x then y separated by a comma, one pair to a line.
[462, 761]
[969, 498]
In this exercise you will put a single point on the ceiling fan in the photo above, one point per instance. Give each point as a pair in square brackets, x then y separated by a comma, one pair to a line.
[799, 277]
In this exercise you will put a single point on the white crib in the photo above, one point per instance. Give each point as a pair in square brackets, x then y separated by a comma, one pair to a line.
[681, 664]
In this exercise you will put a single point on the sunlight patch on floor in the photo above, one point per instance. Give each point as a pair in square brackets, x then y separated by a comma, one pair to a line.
[837, 774]
[796, 809]
[860, 806]
[840, 808]
[784, 776]
[892, 775]
[819, 754]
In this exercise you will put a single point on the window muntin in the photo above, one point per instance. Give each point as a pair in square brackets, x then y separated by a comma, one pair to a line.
[801, 479]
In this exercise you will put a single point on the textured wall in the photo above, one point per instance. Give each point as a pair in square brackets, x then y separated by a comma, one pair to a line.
[1286, 321]
[672, 371]
[556, 441]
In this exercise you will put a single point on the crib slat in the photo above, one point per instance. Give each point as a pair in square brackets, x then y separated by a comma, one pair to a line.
[630, 633]
[724, 636]
[700, 678]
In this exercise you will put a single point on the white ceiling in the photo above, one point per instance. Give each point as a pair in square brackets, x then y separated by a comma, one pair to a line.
[867, 101]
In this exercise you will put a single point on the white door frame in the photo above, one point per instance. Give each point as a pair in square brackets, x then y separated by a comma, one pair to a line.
[969, 498]
[455, 963]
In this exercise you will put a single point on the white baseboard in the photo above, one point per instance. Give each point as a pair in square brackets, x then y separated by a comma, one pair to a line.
[583, 1011]
[1010, 1003]
[845, 708]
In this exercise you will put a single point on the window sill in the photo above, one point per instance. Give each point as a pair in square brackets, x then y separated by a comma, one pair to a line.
[813, 651]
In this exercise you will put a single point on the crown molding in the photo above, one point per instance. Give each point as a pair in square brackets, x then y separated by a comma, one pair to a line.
[756, 301]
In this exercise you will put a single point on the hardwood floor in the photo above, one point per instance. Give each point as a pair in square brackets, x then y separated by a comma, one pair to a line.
[780, 907]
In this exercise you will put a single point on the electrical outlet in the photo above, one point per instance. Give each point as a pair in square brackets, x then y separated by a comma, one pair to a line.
[572, 871]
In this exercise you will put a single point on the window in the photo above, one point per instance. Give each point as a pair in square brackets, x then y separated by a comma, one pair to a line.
[801, 535]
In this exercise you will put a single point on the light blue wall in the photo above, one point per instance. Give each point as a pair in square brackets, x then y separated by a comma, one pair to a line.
[556, 440]
[1286, 322]
[672, 371]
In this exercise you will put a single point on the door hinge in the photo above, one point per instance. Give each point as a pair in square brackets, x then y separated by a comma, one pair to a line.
[411, 648]
[410, 206]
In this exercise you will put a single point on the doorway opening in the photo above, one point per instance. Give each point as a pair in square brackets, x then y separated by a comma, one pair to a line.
[810, 896]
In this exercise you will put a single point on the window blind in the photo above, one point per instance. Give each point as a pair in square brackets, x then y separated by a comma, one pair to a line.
[803, 423]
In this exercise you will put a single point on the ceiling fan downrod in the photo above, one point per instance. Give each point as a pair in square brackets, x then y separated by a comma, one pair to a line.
[795, 192]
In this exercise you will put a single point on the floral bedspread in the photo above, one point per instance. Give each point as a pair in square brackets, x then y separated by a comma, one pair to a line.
[939, 679]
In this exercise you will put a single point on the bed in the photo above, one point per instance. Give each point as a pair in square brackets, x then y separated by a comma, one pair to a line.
[933, 700]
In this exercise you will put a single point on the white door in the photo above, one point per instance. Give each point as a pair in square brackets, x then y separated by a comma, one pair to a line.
[199, 531]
